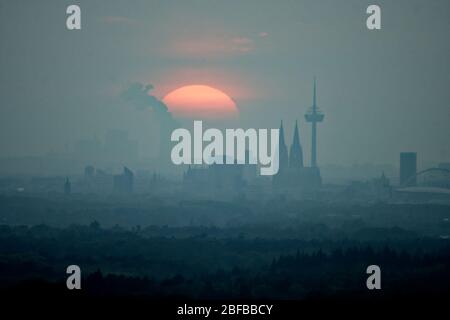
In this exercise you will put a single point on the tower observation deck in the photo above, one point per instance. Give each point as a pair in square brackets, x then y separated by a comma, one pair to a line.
[314, 115]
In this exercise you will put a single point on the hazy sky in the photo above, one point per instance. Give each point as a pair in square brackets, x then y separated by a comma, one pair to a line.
[382, 92]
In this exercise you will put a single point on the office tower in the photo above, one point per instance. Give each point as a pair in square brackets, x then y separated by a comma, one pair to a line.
[408, 168]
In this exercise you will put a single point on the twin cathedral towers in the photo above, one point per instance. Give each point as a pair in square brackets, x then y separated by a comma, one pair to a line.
[292, 172]
[293, 159]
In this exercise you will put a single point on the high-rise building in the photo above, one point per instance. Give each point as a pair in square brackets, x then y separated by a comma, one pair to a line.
[408, 169]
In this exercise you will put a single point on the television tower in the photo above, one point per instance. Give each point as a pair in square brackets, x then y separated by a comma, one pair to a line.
[314, 115]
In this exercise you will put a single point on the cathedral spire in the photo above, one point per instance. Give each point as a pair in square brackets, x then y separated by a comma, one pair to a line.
[281, 138]
[283, 154]
[296, 152]
[296, 138]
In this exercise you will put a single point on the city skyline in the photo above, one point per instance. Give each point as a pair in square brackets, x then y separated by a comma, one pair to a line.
[384, 96]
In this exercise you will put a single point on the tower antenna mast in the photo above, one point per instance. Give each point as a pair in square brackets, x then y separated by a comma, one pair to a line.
[314, 115]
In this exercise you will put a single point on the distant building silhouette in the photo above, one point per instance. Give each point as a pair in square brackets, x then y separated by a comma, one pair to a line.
[217, 176]
[408, 168]
[382, 187]
[292, 173]
[67, 187]
[123, 183]
[283, 153]
[100, 173]
[89, 172]
[196, 177]
[296, 152]
[314, 115]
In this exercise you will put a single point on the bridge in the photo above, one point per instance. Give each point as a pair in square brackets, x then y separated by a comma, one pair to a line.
[434, 177]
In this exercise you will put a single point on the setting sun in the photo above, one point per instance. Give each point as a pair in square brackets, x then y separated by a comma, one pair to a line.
[200, 102]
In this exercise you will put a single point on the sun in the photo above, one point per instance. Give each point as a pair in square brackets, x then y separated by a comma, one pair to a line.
[200, 102]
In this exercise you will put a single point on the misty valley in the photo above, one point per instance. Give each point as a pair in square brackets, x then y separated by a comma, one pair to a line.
[168, 247]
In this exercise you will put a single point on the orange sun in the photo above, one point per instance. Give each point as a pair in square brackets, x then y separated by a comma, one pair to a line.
[200, 102]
